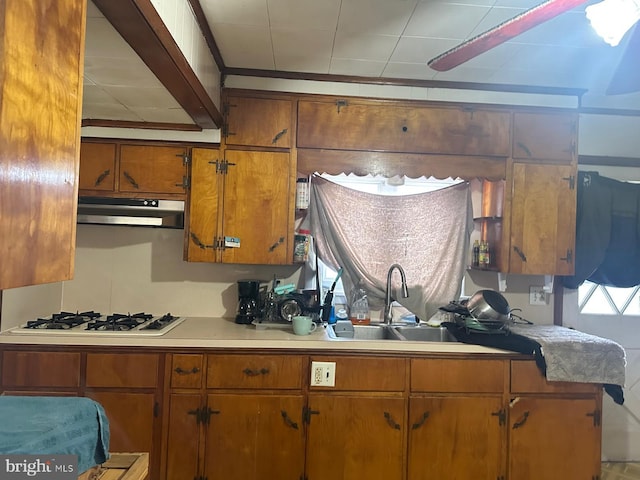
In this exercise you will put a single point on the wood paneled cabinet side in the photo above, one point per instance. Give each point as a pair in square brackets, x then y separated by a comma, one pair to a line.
[41, 91]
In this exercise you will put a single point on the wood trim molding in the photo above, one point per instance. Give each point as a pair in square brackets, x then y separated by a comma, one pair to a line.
[406, 82]
[95, 122]
[390, 164]
[608, 161]
[139, 24]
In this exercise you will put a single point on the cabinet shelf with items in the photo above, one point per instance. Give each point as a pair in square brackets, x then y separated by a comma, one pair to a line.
[488, 201]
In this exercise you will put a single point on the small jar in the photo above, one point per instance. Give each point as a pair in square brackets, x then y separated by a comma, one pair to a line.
[302, 240]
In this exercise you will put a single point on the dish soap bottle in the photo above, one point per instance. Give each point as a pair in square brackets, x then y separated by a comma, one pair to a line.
[359, 309]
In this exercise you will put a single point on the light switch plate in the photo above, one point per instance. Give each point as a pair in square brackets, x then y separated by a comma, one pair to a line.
[537, 296]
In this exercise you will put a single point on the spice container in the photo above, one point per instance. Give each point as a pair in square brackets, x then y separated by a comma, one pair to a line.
[302, 193]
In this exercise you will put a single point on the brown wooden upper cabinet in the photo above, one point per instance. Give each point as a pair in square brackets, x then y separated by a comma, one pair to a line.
[353, 125]
[258, 122]
[111, 168]
[545, 136]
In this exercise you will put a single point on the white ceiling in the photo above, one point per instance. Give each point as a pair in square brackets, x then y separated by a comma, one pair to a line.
[368, 38]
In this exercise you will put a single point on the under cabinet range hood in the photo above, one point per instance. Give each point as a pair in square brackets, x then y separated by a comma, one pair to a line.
[132, 212]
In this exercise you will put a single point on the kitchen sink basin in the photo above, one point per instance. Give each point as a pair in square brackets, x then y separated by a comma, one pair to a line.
[424, 334]
[410, 333]
[346, 331]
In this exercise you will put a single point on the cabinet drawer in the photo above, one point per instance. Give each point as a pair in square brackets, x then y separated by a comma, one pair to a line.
[366, 374]
[186, 371]
[254, 371]
[134, 370]
[40, 369]
[448, 375]
[526, 377]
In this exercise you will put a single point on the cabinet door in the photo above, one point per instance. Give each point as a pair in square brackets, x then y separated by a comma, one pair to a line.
[543, 219]
[203, 206]
[97, 166]
[545, 136]
[456, 437]
[148, 170]
[257, 207]
[41, 92]
[183, 436]
[554, 438]
[131, 419]
[355, 437]
[396, 128]
[254, 437]
[258, 122]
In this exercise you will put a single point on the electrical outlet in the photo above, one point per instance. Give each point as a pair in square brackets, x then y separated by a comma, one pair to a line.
[537, 296]
[323, 374]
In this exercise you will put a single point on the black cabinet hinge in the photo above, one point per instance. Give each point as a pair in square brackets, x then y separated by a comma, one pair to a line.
[502, 416]
[186, 158]
[306, 414]
[597, 417]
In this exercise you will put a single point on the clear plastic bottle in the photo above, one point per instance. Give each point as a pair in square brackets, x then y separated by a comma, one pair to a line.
[359, 309]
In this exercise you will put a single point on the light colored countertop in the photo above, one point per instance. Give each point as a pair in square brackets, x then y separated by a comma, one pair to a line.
[225, 333]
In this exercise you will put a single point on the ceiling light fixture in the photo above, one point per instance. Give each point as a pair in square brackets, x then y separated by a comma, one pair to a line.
[611, 19]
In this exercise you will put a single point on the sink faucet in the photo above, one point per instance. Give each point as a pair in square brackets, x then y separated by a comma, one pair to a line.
[405, 292]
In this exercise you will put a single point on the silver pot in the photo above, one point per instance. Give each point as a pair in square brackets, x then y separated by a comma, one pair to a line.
[489, 305]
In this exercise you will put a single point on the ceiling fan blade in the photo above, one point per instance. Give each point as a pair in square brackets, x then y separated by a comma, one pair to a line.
[502, 33]
[626, 78]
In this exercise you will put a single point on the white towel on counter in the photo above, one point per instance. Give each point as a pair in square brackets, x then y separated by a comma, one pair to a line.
[574, 356]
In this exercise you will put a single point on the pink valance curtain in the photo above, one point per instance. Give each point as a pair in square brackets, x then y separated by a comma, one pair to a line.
[428, 234]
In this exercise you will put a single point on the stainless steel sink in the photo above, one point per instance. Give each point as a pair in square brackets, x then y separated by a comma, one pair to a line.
[411, 333]
[345, 331]
[424, 334]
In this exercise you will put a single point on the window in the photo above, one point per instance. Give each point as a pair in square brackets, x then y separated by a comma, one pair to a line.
[594, 299]
[398, 185]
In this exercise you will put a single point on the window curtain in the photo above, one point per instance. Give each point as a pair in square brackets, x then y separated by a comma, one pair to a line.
[607, 232]
[427, 234]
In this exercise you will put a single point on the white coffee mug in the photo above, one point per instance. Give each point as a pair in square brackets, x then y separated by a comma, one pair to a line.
[303, 325]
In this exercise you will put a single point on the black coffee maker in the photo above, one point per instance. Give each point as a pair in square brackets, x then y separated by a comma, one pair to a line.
[248, 301]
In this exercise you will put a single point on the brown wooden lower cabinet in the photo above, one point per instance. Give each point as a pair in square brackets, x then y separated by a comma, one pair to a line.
[395, 416]
[456, 436]
[351, 437]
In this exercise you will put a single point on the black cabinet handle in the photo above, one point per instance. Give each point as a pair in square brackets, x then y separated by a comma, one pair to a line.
[392, 423]
[421, 421]
[521, 422]
[278, 136]
[130, 179]
[198, 242]
[180, 371]
[254, 373]
[101, 177]
[520, 254]
[288, 421]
